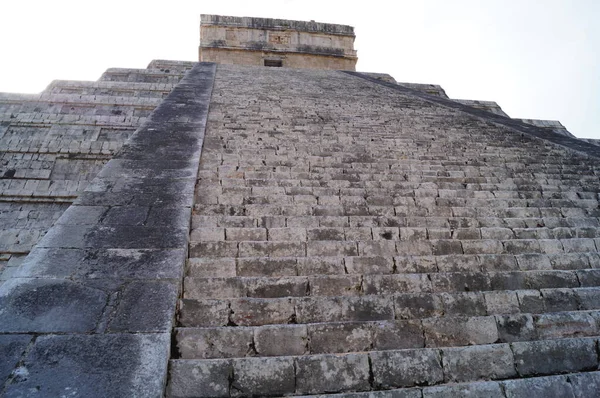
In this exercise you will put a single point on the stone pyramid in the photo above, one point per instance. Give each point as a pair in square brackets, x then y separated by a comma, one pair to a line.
[216, 230]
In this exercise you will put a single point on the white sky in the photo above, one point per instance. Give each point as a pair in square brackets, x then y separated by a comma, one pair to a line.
[537, 59]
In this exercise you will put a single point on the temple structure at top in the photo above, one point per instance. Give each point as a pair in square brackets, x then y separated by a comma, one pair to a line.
[276, 42]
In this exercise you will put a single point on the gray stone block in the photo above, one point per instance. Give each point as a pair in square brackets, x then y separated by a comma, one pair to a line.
[547, 387]
[486, 362]
[367, 308]
[484, 389]
[340, 337]
[418, 305]
[254, 312]
[281, 340]
[263, 376]
[555, 356]
[50, 305]
[585, 385]
[406, 368]
[517, 327]
[335, 285]
[193, 378]
[332, 373]
[204, 343]
[314, 310]
[12, 348]
[396, 335]
[93, 366]
[145, 306]
[458, 331]
[194, 313]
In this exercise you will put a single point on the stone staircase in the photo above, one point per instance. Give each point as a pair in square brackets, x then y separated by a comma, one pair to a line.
[349, 239]
[54, 143]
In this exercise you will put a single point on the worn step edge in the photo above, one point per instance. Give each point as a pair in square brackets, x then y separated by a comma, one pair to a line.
[382, 370]
[302, 310]
[346, 337]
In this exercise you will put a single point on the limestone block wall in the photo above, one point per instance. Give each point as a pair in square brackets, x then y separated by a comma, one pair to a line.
[54, 143]
[296, 44]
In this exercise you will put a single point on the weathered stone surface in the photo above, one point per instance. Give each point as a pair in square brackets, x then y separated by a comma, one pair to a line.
[516, 328]
[332, 373]
[213, 342]
[145, 306]
[406, 368]
[203, 313]
[551, 387]
[255, 376]
[281, 340]
[193, 378]
[12, 348]
[486, 362]
[451, 331]
[92, 365]
[340, 337]
[50, 305]
[488, 389]
[554, 356]
[585, 384]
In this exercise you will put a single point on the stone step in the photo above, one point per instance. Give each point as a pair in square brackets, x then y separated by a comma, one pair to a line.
[345, 337]
[72, 119]
[449, 222]
[390, 233]
[110, 88]
[210, 267]
[251, 311]
[422, 209]
[386, 248]
[142, 75]
[317, 285]
[572, 385]
[380, 370]
[178, 66]
[83, 108]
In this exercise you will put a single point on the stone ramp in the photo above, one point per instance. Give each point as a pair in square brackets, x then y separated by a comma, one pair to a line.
[90, 310]
[54, 143]
[352, 238]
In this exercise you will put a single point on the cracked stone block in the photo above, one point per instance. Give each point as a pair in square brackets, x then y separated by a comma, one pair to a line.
[332, 373]
[213, 342]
